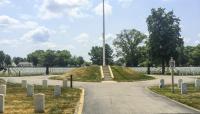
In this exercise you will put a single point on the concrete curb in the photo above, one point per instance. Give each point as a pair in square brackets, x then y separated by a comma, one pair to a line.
[79, 107]
[165, 97]
[101, 71]
[109, 82]
[111, 73]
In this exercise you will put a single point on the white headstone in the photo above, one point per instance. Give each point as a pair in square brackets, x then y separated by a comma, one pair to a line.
[162, 83]
[45, 83]
[180, 81]
[2, 103]
[183, 88]
[197, 83]
[57, 90]
[30, 90]
[39, 102]
[65, 83]
[3, 89]
[24, 83]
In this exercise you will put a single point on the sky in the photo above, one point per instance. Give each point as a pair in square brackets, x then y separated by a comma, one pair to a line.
[76, 25]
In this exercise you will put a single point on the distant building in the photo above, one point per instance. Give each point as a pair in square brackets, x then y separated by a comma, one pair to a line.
[25, 64]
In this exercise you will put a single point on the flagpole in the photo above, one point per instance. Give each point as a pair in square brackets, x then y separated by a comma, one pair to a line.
[104, 62]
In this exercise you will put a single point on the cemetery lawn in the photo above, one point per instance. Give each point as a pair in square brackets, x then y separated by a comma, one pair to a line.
[192, 98]
[125, 74]
[85, 74]
[16, 101]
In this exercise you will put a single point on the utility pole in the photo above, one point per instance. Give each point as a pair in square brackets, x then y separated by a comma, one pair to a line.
[104, 61]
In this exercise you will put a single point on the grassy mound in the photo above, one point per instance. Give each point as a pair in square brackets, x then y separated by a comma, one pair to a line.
[127, 74]
[85, 74]
[17, 102]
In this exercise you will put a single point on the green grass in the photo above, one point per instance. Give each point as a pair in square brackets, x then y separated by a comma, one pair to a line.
[85, 74]
[192, 98]
[17, 102]
[125, 74]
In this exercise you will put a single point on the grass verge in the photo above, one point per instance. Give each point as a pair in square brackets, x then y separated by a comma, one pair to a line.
[192, 98]
[16, 101]
[85, 74]
[125, 74]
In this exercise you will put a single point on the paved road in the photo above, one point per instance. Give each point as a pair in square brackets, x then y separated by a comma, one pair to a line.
[121, 98]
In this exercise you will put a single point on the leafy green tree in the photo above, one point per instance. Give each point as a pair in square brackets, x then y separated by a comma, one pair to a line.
[18, 59]
[142, 56]
[48, 58]
[7, 60]
[188, 50]
[73, 61]
[109, 55]
[196, 55]
[164, 36]
[62, 58]
[2, 58]
[96, 54]
[126, 45]
[35, 57]
[80, 61]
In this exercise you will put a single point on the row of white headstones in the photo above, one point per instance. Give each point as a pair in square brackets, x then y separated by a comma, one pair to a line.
[181, 85]
[39, 98]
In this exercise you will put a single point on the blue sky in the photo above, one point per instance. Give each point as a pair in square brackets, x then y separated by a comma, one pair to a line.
[76, 25]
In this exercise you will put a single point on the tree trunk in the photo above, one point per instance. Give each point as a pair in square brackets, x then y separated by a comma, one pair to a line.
[148, 69]
[163, 66]
[47, 70]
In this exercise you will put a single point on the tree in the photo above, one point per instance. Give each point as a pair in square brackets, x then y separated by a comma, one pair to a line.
[7, 60]
[164, 36]
[142, 56]
[196, 55]
[97, 57]
[188, 54]
[48, 59]
[35, 57]
[2, 58]
[80, 61]
[126, 45]
[109, 55]
[18, 59]
[62, 58]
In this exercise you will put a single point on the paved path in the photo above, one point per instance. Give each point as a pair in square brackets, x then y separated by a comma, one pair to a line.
[121, 98]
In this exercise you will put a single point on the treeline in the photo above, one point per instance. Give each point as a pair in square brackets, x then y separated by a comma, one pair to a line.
[48, 58]
[54, 58]
[134, 48]
[5, 59]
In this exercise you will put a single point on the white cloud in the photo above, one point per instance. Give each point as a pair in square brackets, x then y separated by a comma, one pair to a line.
[83, 39]
[125, 3]
[57, 8]
[108, 37]
[49, 45]
[25, 16]
[40, 34]
[7, 21]
[99, 9]
[198, 35]
[12, 23]
[8, 42]
[4, 2]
